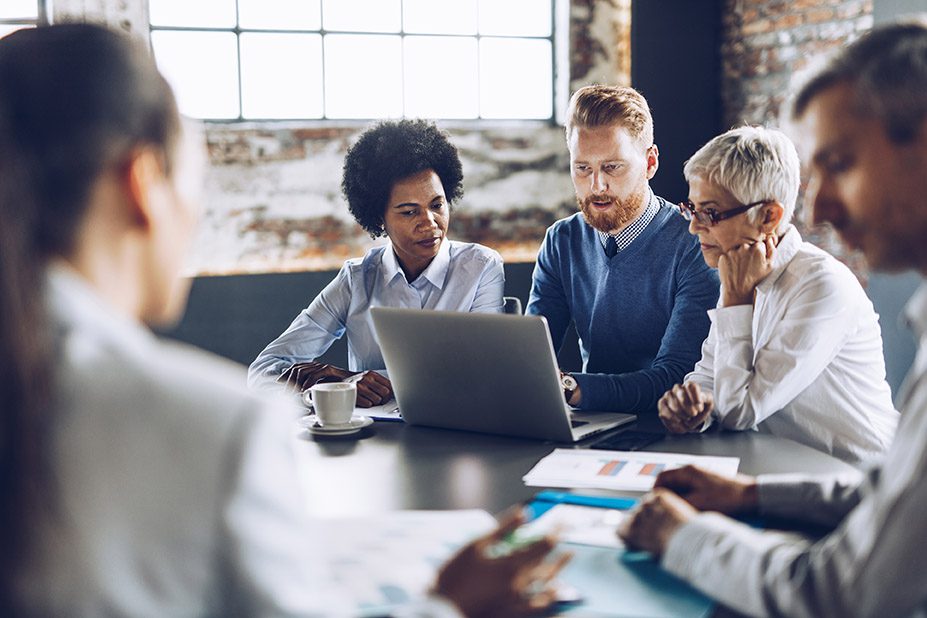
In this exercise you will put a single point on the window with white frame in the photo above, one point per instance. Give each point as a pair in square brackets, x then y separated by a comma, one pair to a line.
[17, 14]
[357, 59]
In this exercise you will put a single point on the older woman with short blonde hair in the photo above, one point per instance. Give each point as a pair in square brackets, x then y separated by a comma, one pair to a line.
[794, 347]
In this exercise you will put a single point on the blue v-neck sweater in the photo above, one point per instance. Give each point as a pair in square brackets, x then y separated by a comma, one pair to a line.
[641, 315]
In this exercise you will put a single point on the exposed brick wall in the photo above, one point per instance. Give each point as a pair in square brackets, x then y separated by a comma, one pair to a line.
[764, 44]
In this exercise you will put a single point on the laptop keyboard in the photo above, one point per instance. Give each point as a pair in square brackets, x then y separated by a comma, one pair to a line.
[575, 424]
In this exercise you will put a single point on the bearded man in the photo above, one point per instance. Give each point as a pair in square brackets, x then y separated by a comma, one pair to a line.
[624, 269]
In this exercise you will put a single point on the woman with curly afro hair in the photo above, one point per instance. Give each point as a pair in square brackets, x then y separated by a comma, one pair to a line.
[400, 179]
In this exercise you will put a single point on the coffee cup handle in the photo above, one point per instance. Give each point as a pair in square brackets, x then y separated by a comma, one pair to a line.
[307, 392]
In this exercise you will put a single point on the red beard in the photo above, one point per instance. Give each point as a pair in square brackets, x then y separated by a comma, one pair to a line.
[615, 218]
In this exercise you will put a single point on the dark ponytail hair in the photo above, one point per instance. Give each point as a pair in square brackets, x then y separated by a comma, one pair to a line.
[75, 100]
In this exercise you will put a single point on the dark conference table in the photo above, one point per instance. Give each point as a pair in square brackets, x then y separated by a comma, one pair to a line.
[391, 466]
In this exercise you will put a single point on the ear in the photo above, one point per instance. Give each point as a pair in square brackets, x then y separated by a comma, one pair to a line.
[141, 173]
[653, 160]
[772, 216]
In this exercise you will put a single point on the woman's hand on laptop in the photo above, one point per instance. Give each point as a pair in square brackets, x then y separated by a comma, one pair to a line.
[484, 581]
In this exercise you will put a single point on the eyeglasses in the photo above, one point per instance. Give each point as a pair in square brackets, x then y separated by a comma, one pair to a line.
[710, 216]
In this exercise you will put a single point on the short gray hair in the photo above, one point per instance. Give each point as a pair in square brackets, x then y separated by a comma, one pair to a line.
[753, 163]
[887, 69]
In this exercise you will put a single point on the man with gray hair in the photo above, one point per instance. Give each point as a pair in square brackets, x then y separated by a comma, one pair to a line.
[865, 117]
[794, 347]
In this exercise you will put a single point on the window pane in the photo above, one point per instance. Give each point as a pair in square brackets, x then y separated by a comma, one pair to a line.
[19, 9]
[363, 76]
[441, 77]
[281, 75]
[280, 14]
[202, 68]
[361, 15]
[6, 29]
[439, 16]
[515, 17]
[515, 78]
[202, 13]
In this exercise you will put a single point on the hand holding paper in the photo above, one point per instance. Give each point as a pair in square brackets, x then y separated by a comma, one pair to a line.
[514, 584]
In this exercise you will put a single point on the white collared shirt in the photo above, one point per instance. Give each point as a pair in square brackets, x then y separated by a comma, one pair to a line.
[804, 361]
[173, 490]
[872, 564]
[462, 277]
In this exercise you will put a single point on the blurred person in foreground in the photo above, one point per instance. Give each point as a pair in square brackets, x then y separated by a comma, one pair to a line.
[865, 118]
[140, 477]
[400, 179]
[795, 347]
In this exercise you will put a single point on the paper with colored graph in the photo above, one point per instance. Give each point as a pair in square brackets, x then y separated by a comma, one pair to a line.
[374, 565]
[619, 470]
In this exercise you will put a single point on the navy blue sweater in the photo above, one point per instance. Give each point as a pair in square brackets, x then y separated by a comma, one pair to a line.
[641, 316]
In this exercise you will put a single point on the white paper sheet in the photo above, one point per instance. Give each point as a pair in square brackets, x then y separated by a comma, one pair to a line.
[575, 523]
[388, 411]
[618, 470]
[384, 561]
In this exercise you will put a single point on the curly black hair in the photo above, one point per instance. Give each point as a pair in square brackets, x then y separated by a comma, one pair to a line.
[389, 152]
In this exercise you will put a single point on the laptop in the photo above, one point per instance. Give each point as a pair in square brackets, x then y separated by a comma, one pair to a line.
[487, 372]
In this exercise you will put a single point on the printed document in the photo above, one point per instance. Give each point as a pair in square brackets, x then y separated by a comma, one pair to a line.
[618, 470]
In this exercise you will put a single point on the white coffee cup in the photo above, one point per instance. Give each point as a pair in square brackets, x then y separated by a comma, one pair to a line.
[333, 402]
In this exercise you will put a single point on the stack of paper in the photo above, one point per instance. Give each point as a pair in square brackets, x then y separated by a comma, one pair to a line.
[618, 470]
[376, 564]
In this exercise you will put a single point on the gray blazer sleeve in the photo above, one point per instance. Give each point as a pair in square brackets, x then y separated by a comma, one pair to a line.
[872, 564]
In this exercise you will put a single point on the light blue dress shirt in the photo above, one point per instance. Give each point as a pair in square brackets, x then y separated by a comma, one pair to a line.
[462, 277]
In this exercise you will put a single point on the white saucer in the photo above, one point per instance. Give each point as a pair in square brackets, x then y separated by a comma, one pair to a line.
[357, 422]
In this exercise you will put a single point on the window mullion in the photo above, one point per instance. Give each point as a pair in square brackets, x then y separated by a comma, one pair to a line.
[499, 103]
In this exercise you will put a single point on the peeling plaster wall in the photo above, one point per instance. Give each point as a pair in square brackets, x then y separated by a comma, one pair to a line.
[273, 190]
[274, 200]
[601, 35]
[127, 15]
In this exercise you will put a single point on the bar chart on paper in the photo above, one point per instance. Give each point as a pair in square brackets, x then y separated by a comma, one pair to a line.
[613, 467]
[620, 470]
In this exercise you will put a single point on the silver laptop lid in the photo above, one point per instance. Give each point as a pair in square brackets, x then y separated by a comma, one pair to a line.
[493, 373]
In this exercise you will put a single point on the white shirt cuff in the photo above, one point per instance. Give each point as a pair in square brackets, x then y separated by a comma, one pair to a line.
[736, 321]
